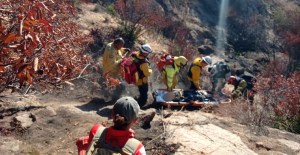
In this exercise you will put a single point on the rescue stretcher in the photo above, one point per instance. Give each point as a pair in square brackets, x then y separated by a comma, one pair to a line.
[180, 97]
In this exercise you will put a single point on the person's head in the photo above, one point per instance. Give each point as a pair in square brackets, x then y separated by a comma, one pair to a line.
[145, 50]
[180, 61]
[125, 113]
[206, 61]
[232, 80]
[118, 43]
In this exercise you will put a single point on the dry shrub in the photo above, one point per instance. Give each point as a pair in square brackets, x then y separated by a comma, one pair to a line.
[255, 116]
[39, 43]
[237, 109]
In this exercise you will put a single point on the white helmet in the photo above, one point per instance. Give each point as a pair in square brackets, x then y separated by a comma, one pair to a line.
[207, 59]
[146, 48]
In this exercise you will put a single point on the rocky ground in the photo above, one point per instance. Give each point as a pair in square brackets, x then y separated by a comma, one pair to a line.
[50, 122]
[47, 124]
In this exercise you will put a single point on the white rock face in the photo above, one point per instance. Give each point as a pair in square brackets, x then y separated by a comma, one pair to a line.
[203, 139]
[24, 120]
[291, 144]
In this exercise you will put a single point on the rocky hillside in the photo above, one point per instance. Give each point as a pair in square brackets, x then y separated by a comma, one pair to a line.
[248, 27]
[202, 17]
[42, 123]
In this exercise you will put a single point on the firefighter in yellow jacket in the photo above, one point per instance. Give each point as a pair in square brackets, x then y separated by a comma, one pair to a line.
[169, 72]
[195, 69]
[112, 57]
[144, 72]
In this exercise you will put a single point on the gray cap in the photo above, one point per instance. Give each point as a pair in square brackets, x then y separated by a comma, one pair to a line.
[127, 107]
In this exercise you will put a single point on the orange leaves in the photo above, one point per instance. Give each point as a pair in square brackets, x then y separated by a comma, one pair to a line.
[5, 50]
[35, 50]
[279, 91]
[10, 38]
[111, 82]
[25, 76]
[292, 38]
[30, 23]
[2, 69]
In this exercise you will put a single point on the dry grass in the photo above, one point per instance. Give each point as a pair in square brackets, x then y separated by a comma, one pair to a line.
[256, 115]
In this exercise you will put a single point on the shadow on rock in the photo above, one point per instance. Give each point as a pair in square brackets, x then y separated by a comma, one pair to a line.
[105, 111]
[95, 104]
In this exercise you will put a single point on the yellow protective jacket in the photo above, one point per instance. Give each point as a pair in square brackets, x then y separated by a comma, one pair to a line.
[145, 70]
[111, 60]
[195, 72]
[169, 74]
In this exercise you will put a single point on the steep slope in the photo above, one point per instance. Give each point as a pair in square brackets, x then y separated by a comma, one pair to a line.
[70, 115]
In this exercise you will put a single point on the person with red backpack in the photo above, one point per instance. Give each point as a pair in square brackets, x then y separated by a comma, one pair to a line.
[171, 68]
[136, 70]
[117, 139]
[112, 57]
[194, 72]
[144, 71]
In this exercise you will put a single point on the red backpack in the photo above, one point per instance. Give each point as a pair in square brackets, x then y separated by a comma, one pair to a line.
[165, 59]
[130, 69]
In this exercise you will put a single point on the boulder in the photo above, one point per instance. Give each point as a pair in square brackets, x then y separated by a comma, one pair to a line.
[24, 120]
[145, 118]
[205, 49]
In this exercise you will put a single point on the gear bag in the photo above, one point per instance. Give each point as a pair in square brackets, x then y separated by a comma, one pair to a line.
[165, 59]
[249, 79]
[99, 147]
[130, 69]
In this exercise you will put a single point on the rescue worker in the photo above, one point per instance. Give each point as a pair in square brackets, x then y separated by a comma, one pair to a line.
[112, 57]
[118, 138]
[219, 74]
[240, 88]
[144, 70]
[170, 72]
[195, 69]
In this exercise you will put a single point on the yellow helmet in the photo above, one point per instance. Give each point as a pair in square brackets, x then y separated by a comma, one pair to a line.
[197, 61]
[180, 61]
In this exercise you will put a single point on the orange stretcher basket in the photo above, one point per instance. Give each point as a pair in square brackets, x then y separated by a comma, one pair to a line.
[179, 97]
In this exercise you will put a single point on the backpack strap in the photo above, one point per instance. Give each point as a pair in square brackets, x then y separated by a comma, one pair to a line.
[131, 145]
[138, 62]
[97, 136]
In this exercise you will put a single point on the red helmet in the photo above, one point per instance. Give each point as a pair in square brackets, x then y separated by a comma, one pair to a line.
[231, 80]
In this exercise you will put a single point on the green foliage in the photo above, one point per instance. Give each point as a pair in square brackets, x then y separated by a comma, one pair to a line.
[76, 2]
[130, 34]
[111, 9]
[291, 124]
[136, 18]
[280, 19]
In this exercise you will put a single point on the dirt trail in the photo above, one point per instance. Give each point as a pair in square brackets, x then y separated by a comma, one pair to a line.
[59, 123]
[61, 119]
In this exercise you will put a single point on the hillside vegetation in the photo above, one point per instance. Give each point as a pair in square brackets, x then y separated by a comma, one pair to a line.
[53, 50]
